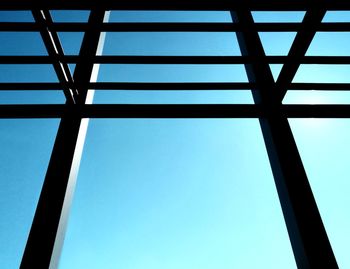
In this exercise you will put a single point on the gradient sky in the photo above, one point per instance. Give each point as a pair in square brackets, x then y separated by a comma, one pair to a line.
[180, 193]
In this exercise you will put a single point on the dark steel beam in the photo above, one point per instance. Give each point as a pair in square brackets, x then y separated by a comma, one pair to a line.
[55, 50]
[175, 5]
[136, 59]
[307, 234]
[131, 86]
[316, 111]
[192, 86]
[130, 111]
[40, 86]
[19, 27]
[321, 60]
[19, 86]
[320, 86]
[119, 59]
[171, 86]
[47, 232]
[299, 48]
[25, 59]
[177, 27]
[172, 111]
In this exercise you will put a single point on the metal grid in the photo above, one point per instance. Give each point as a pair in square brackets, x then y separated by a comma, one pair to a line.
[308, 238]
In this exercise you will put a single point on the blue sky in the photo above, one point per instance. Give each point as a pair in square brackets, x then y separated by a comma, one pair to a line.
[173, 193]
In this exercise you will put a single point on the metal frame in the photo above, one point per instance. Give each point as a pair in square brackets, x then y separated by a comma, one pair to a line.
[308, 237]
[300, 211]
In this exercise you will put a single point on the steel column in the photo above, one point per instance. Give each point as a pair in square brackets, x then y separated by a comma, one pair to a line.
[46, 234]
[308, 237]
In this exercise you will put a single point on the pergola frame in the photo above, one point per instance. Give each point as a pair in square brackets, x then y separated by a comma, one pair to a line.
[307, 234]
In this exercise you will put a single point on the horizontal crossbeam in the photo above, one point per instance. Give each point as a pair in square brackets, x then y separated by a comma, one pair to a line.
[176, 27]
[40, 86]
[172, 111]
[135, 59]
[175, 5]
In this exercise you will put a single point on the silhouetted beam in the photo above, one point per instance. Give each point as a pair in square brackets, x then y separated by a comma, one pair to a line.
[320, 86]
[307, 234]
[41, 86]
[54, 49]
[213, 59]
[179, 27]
[176, 27]
[135, 59]
[109, 59]
[316, 111]
[130, 111]
[321, 60]
[213, 111]
[24, 59]
[12, 86]
[299, 48]
[29, 86]
[19, 27]
[176, 86]
[174, 5]
[172, 111]
[47, 231]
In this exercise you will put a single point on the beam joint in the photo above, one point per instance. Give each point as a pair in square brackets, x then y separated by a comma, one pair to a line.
[307, 234]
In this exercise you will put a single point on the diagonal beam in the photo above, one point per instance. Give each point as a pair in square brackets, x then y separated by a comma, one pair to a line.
[45, 239]
[307, 234]
[301, 43]
[55, 51]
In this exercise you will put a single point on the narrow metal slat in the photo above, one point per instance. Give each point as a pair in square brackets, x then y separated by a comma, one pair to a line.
[298, 50]
[136, 59]
[171, 111]
[25, 86]
[176, 27]
[14, 86]
[266, 5]
[54, 49]
[18, 86]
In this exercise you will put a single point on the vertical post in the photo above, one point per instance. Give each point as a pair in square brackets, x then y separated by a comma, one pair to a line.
[308, 237]
[46, 235]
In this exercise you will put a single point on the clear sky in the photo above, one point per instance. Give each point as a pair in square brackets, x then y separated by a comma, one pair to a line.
[189, 194]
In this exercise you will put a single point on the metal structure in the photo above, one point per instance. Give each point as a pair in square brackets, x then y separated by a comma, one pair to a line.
[308, 237]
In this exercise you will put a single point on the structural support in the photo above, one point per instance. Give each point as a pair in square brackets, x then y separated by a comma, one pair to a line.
[175, 5]
[46, 234]
[55, 51]
[308, 237]
[301, 43]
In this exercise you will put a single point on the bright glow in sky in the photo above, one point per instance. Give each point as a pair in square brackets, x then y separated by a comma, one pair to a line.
[173, 193]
